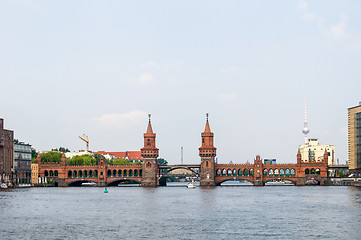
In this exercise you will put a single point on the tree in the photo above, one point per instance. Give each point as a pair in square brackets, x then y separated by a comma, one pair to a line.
[34, 155]
[82, 160]
[162, 161]
[16, 140]
[51, 157]
[64, 150]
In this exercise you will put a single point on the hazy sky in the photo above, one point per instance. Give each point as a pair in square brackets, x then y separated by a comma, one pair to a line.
[99, 67]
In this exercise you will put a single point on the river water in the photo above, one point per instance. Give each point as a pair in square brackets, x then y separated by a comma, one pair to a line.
[225, 212]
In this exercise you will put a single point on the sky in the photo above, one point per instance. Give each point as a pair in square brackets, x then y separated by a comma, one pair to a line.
[98, 68]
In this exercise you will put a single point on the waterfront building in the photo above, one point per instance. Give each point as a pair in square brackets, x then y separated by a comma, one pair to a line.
[34, 174]
[354, 140]
[133, 156]
[22, 164]
[6, 156]
[313, 151]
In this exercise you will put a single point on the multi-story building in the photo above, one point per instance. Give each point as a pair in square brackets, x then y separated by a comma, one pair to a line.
[22, 164]
[312, 151]
[34, 174]
[6, 156]
[354, 140]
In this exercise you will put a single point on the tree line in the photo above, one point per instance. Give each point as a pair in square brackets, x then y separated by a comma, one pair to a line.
[86, 159]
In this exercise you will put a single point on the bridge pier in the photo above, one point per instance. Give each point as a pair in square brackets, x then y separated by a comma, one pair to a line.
[258, 183]
[101, 183]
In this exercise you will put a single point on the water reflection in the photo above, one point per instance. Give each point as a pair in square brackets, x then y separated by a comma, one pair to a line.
[180, 213]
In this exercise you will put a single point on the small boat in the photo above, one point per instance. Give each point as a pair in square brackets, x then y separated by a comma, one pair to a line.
[191, 184]
[279, 183]
[4, 185]
[89, 184]
[276, 183]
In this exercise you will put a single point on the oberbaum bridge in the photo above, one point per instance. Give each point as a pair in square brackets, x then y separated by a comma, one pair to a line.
[210, 173]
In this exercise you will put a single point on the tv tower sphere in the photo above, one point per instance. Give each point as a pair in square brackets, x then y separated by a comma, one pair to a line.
[305, 129]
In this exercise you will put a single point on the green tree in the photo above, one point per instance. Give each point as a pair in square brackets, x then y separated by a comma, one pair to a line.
[162, 161]
[16, 140]
[34, 154]
[64, 150]
[51, 157]
[82, 160]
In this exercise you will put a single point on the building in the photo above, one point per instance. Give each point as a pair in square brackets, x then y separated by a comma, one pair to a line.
[312, 151]
[133, 156]
[34, 174]
[22, 164]
[354, 140]
[6, 156]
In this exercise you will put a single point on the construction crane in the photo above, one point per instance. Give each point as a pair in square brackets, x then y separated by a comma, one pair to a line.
[85, 139]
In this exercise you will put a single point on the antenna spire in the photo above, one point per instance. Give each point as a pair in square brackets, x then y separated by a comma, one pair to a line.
[305, 110]
[207, 114]
[149, 115]
[305, 129]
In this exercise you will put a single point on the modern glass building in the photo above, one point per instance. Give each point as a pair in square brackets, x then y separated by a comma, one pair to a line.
[22, 164]
[354, 140]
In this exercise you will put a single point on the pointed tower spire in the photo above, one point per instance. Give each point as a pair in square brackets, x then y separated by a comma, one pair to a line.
[149, 129]
[207, 129]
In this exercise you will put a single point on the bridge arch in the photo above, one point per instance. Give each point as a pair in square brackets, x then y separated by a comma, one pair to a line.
[232, 179]
[78, 183]
[117, 181]
[180, 167]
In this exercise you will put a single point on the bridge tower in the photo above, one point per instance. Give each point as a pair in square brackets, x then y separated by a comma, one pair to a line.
[207, 152]
[149, 153]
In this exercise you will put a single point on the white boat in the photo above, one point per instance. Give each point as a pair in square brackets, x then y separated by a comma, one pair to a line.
[279, 183]
[191, 184]
[89, 184]
[4, 185]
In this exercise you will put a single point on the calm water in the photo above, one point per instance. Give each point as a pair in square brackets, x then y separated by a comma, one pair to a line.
[242, 212]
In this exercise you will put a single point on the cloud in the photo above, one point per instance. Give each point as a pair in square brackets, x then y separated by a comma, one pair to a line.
[118, 120]
[311, 17]
[145, 79]
[227, 97]
[339, 30]
[302, 5]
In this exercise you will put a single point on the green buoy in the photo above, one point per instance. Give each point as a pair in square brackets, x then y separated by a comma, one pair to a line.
[105, 190]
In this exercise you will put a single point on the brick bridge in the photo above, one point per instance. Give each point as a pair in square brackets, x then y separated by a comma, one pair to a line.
[209, 172]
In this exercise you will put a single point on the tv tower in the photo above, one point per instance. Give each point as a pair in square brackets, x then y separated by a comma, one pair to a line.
[305, 129]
